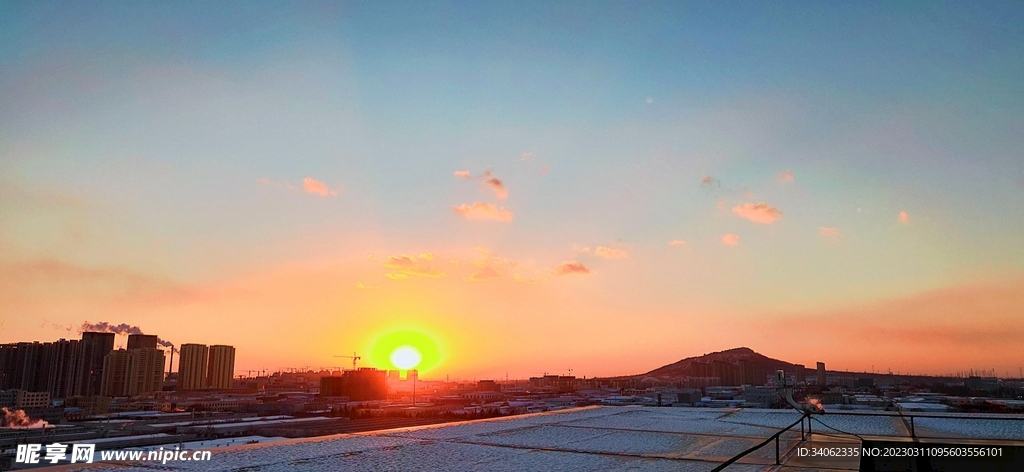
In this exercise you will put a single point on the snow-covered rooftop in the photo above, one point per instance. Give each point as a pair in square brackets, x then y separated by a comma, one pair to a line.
[584, 439]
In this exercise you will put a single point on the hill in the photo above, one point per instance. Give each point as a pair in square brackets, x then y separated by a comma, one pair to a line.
[705, 366]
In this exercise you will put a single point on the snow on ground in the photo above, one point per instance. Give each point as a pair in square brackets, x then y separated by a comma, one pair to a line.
[587, 439]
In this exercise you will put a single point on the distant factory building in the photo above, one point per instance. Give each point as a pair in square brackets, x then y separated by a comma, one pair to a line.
[358, 385]
[192, 365]
[822, 378]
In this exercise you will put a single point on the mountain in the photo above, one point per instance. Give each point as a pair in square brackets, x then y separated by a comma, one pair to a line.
[737, 358]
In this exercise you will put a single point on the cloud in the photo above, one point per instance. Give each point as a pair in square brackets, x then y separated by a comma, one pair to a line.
[464, 174]
[759, 213]
[490, 266]
[730, 240]
[709, 181]
[360, 286]
[544, 170]
[784, 177]
[649, 100]
[571, 267]
[677, 242]
[829, 232]
[271, 183]
[904, 217]
[526, 155]
[610, 253]
[500, 192]
[317, 187]
[483, 211]
[485, 272]
[406, 265]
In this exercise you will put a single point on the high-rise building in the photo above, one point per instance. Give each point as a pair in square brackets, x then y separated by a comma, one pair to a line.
[822, 378]
[115, 374]
[59, 367]
[221, 367]
[89, 373]
[192, 365]
[132, 372]
[145, 371]
[139, 341]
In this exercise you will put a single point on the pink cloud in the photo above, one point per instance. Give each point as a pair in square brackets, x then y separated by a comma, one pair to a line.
[406, 264]
[500, 192]
[610, 253]
[784, 177]
[544, 170]
[709, 181]
[464, 174]
[526, 155]
[677, 242]
[490, 266]
[828, 232]
[571, 267]
[730, 240]
[904, 217]
[483, 211]
[317, 187]
[759, 213]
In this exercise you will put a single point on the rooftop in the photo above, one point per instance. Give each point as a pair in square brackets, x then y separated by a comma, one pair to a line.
[588, 439]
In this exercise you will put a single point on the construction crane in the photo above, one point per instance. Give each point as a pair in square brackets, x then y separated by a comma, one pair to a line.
[355, 357]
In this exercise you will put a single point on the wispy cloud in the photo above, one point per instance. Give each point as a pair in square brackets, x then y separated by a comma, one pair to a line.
[829, 232]
[309, 185]
[904, 217]
[784, 177]
[490, 266]
[500, 192]
[544, 170]
[271, 183]
[360, 286]
[483, 211]
[406, 265]
[317, 187]
[571, 267]
[730, 240]
[677, 242]
[709, 181]
[464, 174]
[526, 155]
[759, 213]
[610, 253]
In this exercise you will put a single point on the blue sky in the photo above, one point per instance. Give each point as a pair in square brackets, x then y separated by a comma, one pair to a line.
[134, 137]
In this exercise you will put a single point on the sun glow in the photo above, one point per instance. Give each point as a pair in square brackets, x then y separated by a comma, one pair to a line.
[406, 357]
[406, 349]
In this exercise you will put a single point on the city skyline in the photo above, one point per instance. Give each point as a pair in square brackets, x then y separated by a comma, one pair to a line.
[519, 188]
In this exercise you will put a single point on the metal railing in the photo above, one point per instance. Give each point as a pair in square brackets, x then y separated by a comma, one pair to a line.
[904, 417]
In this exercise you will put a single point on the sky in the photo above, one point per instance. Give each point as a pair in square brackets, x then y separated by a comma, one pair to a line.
[519, 188]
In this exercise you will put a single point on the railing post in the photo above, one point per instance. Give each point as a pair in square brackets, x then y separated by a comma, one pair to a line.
[912, 433]
[777, 449]
[802, 430]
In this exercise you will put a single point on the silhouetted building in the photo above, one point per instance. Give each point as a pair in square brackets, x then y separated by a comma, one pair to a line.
[822, 378]
[221, 367]
[132, 372]
[487, 386]
[89, 375]
[192, 365]
[358, 385]
[140, 341]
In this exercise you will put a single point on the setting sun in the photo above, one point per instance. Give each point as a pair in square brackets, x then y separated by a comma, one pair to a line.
[406, 357]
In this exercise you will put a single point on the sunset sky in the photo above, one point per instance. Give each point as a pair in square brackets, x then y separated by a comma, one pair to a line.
[534, 187]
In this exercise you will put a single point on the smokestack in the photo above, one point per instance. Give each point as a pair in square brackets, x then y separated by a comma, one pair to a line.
[170, 365]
